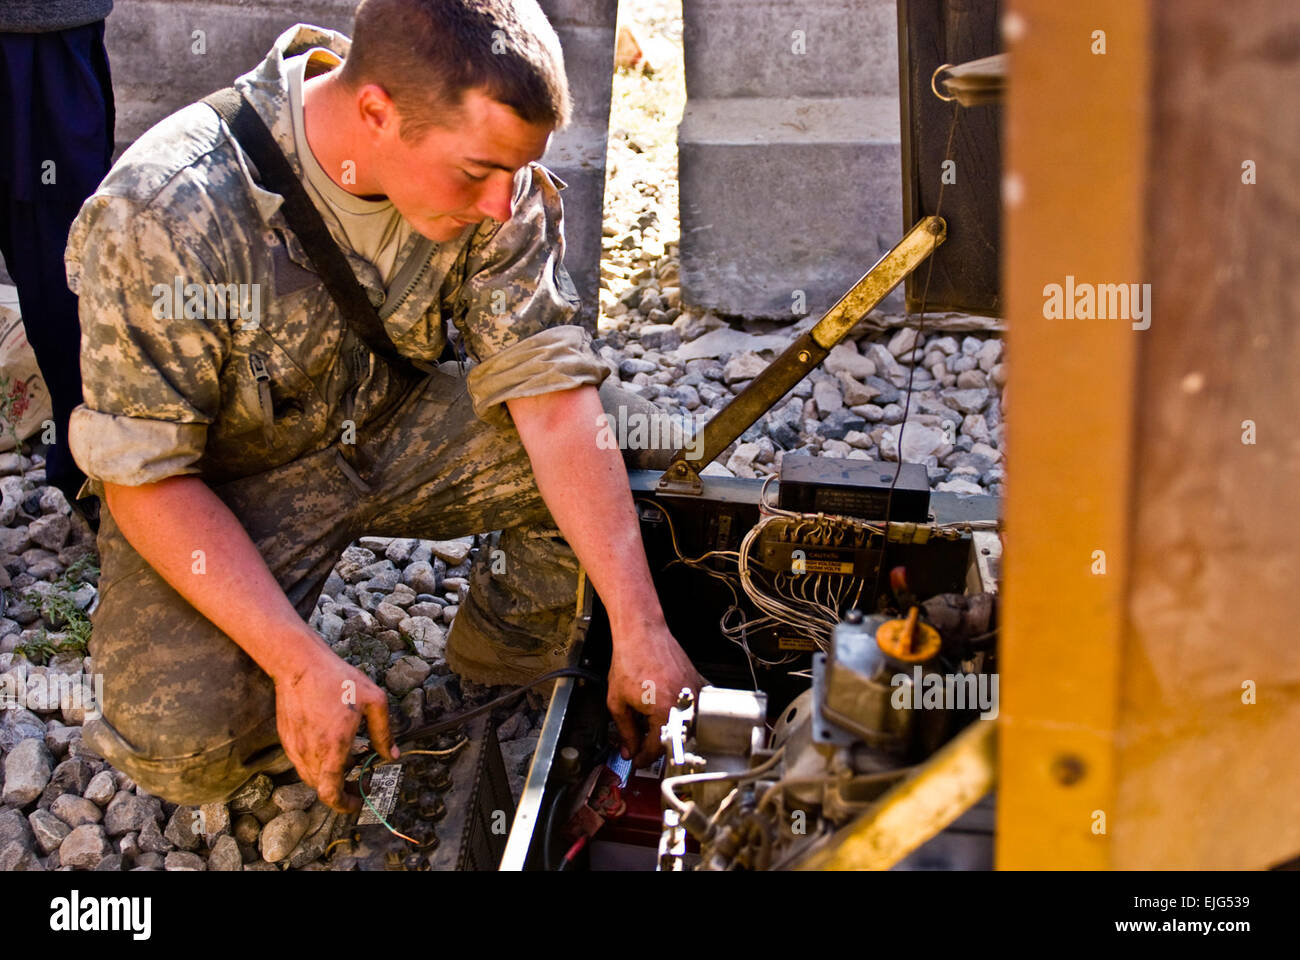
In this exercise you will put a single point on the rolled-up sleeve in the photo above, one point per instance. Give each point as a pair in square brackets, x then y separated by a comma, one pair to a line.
[150, 368]
[516, 305]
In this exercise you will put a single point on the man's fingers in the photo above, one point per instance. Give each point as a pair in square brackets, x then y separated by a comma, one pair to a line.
[628, 731]
[331, 793]
[381, 738]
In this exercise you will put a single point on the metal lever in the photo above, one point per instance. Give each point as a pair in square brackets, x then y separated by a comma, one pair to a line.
[809, 350]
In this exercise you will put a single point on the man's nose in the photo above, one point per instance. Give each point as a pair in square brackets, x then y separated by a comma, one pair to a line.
[496, 201]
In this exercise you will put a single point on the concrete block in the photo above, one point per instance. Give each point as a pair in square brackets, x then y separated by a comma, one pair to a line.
[789, 162]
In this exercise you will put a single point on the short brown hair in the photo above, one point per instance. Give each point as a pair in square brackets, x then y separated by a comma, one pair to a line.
[427, 53]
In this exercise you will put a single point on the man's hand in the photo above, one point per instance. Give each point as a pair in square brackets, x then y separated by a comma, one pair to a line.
[165, 521]
[645, 677]
[586, 488]
[317, 712]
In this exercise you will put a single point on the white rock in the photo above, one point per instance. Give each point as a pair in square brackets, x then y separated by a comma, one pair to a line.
[904, 341]
[959, 485]
[845, 359]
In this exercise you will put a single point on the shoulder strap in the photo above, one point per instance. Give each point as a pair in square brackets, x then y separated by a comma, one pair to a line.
[305, 221]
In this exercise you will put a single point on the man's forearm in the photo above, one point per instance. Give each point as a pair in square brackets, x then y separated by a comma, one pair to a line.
[198, 546]
[586, 489]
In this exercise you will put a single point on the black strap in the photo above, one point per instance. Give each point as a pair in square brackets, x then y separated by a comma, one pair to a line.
[305, 221]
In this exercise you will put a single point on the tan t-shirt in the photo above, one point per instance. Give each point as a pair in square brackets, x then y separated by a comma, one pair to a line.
[373, 228]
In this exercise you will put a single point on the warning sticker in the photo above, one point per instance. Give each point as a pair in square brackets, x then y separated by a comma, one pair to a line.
[796, 643]
[382, 793]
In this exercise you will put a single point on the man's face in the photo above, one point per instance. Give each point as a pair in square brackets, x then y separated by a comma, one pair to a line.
[455, 177]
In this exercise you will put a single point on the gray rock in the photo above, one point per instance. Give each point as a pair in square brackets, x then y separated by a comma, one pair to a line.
[631, 366]
[440, 695]
[845, 359]
[151, 838]
[660, 336]
[839, 423]
[360, 623]
[128, 845]
[320, 832]
[214, 821]
[400, 549]
[827, 396]
[185, 828]
[512, 727]
[149, 861]
[330, 627]
[919, 441]
[27, 772]
[405, 675]
[518, 753]
[281, 835]
[47, 830]
[247, 828]
[402, 596]
[14, 828]
[15, 857]
[113, 863]
[389, 615]
[74, 774]
[293, 796]
[14, 540]
[101, 788]
[959, 485]
[50, 531]
[84, 847]
[381, 576]
[180, 860]
[966, 401]
[971, 380]
[903, 341]
[252, 794]
[59, 737]
[420, 576]
[886, 391]
[741, 366]
[453, 552]
[75, 811]
[225, 856]
[18, 724]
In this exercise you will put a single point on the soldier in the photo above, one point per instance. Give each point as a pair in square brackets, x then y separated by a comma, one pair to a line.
[241, 433]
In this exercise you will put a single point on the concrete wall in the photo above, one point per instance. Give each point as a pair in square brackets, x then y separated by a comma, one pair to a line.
[157, 69]
[789, 161]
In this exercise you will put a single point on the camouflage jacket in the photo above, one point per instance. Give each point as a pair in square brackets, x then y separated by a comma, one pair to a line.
[185, 374]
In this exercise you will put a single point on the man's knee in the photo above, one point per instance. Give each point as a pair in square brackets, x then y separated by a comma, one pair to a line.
[209, 776]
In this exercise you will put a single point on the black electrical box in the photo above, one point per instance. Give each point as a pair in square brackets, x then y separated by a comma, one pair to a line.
[854, 488]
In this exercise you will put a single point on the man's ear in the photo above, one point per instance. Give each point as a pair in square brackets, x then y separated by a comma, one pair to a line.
[377, 110]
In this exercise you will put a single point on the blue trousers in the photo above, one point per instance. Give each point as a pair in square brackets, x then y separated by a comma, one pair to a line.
[56, 144]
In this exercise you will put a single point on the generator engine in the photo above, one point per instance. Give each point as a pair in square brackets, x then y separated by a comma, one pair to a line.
[888, 693]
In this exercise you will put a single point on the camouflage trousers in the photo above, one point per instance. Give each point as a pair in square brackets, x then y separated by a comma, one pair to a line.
[190, 717]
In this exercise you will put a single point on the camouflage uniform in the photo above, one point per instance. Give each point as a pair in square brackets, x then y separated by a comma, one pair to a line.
[186, 712]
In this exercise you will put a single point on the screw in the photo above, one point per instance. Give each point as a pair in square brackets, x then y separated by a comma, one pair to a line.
[1068, 769]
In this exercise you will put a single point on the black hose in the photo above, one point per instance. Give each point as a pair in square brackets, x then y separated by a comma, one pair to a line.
[448, 723]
